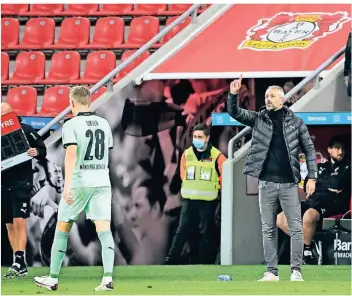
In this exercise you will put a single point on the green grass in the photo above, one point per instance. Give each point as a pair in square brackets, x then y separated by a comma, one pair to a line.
[188, 280]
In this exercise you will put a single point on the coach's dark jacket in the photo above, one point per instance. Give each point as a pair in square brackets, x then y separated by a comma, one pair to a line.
[21, 175]
[295, 133]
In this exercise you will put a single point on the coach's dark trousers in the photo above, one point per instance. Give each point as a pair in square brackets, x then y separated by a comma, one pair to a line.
[197, 214]
[270, 194]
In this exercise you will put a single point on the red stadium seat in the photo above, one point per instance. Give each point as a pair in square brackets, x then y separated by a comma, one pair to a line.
[64, 66]
[176, 29]
[98, 65]
[109, 33]
[98, 93]
[29, 68]
[74, 33]
[114, 9]
[43, 10]
[56, 99]
[80, 9]
[23, 100]
[39, 33]
[142, 29]
[13, 9]
[10, 30]
[4, 66]
[136, 62]
[149, 9]
[177, 8]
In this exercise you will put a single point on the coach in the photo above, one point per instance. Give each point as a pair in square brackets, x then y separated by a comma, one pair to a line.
[16, 185]
[273, 159]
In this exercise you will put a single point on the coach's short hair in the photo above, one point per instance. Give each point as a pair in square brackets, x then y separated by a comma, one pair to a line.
[80, 95]
[278, 88]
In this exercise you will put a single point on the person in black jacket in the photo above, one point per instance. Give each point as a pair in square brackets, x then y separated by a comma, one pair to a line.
[273, 159]
[347, 69]
[16, 185]
[331, 197]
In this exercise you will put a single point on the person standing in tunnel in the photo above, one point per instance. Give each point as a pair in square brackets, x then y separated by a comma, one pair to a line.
[200, 171]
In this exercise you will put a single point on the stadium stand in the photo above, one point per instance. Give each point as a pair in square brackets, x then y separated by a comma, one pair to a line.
[64, 67]
[56, 99]
[29, 68]
[43, 10]
[142, 29]
[69, 50]
[98, 65]
[109, 33]
[79, 9]
[4, 66]
[23, 100]
[13, 9]
[39, 33]
[74, 33]
[149, 9]
[10, 29]
[114, 9]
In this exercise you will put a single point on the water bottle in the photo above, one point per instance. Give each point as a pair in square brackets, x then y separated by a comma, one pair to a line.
[224, 278]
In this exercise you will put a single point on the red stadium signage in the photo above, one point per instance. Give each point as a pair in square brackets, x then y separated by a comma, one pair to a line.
[9, 123]
[261, 40]
[14, 144]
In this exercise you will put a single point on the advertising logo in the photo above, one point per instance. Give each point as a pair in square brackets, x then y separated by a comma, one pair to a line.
[288, 30]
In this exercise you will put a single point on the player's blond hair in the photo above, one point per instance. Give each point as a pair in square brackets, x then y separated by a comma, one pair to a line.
[80, 95]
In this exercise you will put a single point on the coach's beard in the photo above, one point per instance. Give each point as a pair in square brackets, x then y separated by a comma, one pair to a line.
[143, 119]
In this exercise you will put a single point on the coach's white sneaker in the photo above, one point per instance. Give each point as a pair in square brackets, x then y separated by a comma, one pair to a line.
[296, 276]
[269, 277]
[52, 284]
[105, 285]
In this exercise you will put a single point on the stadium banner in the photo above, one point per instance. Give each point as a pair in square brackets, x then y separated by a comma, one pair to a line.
[309, 118]
[148, 142]
[295, 38]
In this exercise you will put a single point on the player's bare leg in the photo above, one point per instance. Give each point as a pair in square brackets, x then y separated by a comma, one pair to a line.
[58, 252]
[108, 254]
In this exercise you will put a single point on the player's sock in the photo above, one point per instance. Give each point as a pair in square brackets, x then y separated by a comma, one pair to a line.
[58, 252]
[108, 252]
[19, 258]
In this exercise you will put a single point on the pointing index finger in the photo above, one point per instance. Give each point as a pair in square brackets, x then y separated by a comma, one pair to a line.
[241, 78]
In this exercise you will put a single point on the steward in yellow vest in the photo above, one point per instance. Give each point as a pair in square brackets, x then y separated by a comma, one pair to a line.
[200, 171]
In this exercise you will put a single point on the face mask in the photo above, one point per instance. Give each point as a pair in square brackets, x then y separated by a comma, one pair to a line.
[199, 143]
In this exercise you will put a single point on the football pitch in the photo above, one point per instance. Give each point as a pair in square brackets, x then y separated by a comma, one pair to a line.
[187, 280]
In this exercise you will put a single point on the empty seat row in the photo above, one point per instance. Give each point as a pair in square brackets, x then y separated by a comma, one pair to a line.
[65, 67]
[93, 9]
[23, 100]
[39, 33]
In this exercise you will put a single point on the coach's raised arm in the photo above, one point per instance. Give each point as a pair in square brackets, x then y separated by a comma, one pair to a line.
[244, 116]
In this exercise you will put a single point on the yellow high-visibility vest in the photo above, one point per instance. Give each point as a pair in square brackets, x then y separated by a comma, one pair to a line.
[201, 181]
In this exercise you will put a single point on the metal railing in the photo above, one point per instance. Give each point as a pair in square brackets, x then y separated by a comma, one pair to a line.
[108, 78]
[288, 96]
